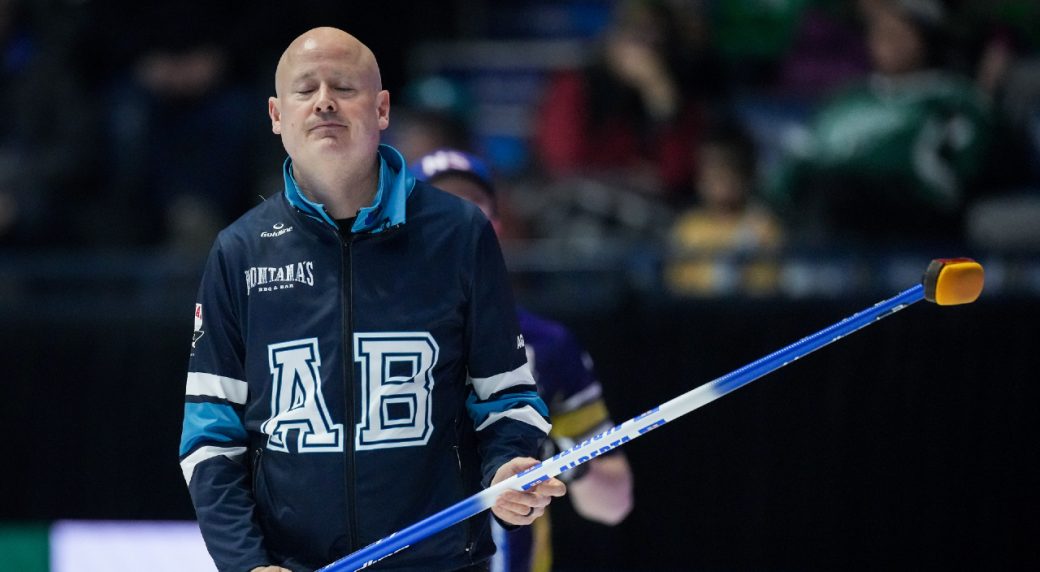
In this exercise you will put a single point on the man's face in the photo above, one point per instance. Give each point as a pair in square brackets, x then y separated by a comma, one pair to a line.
[896, 47]
[720, 184]
[465, 188]
[329, 107]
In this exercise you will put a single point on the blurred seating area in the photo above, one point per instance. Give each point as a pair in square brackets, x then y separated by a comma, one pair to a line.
[692, 147]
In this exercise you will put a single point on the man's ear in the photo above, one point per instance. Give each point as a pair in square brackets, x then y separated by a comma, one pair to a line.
[276, 115]
[383, 100]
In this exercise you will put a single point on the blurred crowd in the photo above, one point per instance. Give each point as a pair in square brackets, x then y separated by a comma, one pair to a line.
[710, 127]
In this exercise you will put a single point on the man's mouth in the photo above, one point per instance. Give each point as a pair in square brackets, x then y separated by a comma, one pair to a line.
[327, 125]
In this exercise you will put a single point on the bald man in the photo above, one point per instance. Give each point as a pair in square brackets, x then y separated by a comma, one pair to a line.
[356, 361]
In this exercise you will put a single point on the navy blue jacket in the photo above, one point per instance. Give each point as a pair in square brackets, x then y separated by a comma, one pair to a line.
[342, 387]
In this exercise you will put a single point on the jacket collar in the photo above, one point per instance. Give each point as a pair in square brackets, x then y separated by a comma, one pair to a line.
[387, 209]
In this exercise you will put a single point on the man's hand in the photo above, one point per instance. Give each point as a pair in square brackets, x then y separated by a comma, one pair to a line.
[270, 569]
[523, 507]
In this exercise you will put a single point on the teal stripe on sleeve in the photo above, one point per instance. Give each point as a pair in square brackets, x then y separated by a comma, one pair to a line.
[210, 422]
[480, 410]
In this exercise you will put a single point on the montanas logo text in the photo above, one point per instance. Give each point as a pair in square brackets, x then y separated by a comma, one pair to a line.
[271, 278]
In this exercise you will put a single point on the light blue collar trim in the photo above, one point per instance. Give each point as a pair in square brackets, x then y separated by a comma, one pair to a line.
[298, 200]
[387, 209]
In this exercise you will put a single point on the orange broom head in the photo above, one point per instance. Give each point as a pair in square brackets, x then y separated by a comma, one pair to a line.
[953, 281]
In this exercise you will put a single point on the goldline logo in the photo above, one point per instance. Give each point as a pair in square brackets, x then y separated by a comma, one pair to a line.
[279, 229]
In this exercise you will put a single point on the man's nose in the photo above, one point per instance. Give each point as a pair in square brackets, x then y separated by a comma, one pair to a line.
[324, 103]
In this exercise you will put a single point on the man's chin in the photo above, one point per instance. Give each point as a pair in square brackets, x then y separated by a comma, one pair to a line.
[323, 135]
[340, 150]
[330, 144]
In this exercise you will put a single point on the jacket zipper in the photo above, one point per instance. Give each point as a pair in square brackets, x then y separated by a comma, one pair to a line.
[256, 468]
[346, 302]
[470, 529]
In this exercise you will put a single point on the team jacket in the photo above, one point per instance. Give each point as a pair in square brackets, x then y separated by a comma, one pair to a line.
[342, 388]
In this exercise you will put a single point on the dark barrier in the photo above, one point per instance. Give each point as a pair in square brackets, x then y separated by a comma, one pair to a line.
[909, 445]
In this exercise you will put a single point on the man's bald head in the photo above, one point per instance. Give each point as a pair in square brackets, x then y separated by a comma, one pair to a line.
[329, 110]
[328, 43]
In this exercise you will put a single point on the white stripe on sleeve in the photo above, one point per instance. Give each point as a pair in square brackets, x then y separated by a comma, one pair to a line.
[526, 414]
[488, 386]
[210, 385]
[205, 453]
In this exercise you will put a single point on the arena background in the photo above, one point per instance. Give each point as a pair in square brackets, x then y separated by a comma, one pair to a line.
[910, 445]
